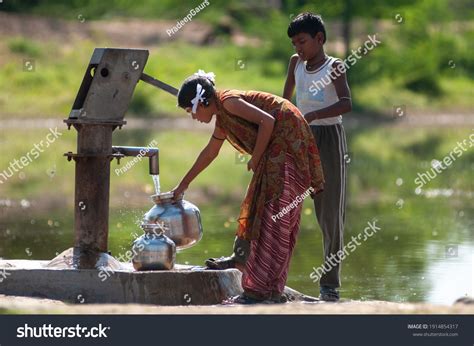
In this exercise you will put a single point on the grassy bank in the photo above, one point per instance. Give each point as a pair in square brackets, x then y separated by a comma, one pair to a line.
[50, 88]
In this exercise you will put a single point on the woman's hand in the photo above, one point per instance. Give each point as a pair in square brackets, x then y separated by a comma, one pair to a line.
[179, 190]
[252, 164]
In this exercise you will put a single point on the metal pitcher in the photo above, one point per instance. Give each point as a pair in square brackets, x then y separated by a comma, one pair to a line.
[181, 219]
[153, 250]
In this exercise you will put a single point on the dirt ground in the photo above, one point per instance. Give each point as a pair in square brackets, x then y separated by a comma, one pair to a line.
[26, 305]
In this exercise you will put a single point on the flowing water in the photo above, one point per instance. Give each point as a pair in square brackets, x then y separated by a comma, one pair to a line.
[156, 182]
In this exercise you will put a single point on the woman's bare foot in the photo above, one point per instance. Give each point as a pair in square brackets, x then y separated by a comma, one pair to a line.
[240, 266]
[220, 263]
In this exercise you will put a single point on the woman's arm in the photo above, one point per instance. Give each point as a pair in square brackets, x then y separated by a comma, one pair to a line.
[257, 116]
[344, 105]
[207, 155]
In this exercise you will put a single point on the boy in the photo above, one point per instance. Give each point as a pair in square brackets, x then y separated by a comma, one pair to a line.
[322, 95]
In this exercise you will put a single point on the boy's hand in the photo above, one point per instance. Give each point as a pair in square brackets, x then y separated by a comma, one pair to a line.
[311, 116]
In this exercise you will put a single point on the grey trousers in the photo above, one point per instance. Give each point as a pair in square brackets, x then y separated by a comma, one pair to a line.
[330, 205]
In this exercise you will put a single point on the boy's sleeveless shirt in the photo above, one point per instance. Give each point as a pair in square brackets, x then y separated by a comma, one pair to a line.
[315, 90]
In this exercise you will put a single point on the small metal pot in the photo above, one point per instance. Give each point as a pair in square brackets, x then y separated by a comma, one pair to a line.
[153, 250]
[181, 219]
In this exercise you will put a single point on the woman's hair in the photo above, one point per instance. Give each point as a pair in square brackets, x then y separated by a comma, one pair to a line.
[308, 23]
[187, 92]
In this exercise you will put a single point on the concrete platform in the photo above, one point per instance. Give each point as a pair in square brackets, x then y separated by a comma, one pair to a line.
[185, 285]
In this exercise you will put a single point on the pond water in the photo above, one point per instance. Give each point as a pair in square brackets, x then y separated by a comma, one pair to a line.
[423, 252]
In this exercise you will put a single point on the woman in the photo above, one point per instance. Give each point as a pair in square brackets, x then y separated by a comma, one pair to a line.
[285, 162]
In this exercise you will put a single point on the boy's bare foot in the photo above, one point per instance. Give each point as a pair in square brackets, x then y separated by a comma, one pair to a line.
[328, 294]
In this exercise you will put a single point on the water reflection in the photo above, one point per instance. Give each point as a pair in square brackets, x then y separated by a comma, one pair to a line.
[410, 259]
[452, 277]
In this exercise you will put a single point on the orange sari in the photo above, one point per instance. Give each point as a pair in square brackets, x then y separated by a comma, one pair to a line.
[291, 134]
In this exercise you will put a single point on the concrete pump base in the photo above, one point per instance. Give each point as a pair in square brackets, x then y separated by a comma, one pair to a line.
[184, 285]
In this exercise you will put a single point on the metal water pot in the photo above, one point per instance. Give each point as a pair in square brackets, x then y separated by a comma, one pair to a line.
[181, 219]
[153, 250]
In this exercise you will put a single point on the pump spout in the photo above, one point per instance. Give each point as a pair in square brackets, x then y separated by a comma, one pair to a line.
[151, 153]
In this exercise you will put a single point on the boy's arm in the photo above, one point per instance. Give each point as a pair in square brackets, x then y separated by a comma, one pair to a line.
[290, 78]
[344, 105]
